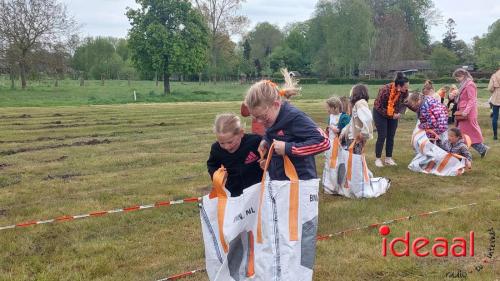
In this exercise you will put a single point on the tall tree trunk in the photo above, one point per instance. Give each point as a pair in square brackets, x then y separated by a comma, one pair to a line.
[12, 80]
[102, 79]
[56, 83]
[22, 72]
[166, 83]
[156, 78]
[199, 77]
[82, 80]
[128, 78]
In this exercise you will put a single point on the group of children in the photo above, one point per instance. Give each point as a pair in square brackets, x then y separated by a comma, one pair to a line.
[434, 117]
[293, 133]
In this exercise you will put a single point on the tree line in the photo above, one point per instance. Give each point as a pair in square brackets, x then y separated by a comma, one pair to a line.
[193, 40]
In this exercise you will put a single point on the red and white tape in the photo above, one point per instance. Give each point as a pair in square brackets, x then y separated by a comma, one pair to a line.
[102, 213]
[181, 275]
[343, 232]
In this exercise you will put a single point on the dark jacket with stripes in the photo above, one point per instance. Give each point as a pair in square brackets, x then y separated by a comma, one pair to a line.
[303, 140]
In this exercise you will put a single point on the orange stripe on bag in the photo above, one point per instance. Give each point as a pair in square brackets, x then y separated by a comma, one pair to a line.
[365, 169]
[219, 181]
[335, 153]
[430, 166]
[251, 256]
[262, 188]
[444, 162]
[349, 164]
[293, 212]
[422, 146]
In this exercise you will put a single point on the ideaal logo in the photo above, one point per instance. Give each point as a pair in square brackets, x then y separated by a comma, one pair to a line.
[460, 246]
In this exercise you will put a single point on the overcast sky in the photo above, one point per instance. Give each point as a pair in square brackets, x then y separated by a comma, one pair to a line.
[107, 17]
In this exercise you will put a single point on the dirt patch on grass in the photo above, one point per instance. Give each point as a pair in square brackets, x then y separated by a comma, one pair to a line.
[78, 143]
[4, 166]
[63, 176]
[62, 158]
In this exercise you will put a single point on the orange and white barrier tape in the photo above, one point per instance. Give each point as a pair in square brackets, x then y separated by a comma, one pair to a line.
[102, 213]
[181, 275]
[343, 232]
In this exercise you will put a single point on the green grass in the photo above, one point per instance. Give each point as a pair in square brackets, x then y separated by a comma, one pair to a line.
[71, 160]
[69, 93]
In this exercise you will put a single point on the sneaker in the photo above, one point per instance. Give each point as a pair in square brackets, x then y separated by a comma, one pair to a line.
[485, 151]
[378, 163]
[390, 162]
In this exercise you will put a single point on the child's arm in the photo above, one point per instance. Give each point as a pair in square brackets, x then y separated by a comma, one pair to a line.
[365, 116]
[464, 151]
[213, 163]
[425, 117]
[311, 139]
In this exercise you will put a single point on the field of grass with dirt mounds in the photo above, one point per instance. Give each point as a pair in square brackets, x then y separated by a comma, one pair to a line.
[68, 160]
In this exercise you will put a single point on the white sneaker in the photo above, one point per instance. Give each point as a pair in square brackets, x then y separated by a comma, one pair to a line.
[390, 162]
[378, 163]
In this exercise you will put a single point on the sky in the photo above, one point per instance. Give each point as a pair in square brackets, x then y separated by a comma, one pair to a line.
[107, 17]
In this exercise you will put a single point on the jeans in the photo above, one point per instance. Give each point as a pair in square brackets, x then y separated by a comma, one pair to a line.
[494, 119]
[386, 130]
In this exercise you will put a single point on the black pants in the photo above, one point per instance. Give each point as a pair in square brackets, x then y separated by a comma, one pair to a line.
[386, 130]
[494, 119]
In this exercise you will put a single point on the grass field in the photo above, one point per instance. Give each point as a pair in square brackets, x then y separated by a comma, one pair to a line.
[69, 93]
[62, 160]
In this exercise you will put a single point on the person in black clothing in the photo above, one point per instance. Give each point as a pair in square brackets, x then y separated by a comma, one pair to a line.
[237, 151]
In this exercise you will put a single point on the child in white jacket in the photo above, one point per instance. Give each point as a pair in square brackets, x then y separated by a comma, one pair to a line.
[360, 128]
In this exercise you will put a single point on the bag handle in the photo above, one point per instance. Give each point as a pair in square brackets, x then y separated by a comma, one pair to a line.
[335, 153]
[219, 191]
[293, 212]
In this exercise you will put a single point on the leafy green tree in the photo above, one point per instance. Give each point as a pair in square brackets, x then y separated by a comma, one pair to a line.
[487, 48]
[167, 36]
[443, 60]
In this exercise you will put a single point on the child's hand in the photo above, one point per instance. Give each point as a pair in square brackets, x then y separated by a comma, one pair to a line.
[397, 116]
[263, 147]
[262, 163]
[279, 147]
[334, 129]
[468, 164]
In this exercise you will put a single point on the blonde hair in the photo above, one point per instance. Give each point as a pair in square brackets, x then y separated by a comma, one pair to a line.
[265, 92]
[336, 103]
[413, 98]
[453, 87]
[462, 72]
[427, 87]
[227, 123]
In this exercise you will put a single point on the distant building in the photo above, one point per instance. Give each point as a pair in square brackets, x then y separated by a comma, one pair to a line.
[295, 74]
[378, 69]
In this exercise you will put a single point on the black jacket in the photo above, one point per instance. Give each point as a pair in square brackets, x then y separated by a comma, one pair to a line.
[242, 166]
[303, 138]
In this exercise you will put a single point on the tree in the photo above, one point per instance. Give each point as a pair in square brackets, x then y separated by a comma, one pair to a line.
[223, 20]
[167, 36]
[264, 38]
[487, 48]
[27, 24]
[450, 36]
[443, 60]
[352, 19]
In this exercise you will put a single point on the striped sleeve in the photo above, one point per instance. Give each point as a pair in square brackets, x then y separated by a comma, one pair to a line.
[309, 138]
